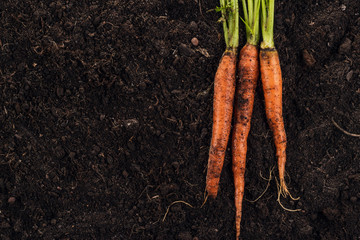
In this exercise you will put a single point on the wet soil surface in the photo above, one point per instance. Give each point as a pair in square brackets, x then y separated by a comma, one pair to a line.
[105, 122]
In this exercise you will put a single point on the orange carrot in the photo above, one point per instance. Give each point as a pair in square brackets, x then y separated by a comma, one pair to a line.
[272, 87]
[224, 90]
[248, 74]
[243, 107]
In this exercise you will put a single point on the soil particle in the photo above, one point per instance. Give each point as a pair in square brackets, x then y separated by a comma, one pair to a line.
[184, 236]
[131, 124]
[186, 51]
[353, 199]
[349, 75]
[193, 26]
[345, 47]
[308, 58]
[264, 211]
[72, 155]
[11, 200]
[331, 213]
[125, 174]
[306, 230]
[60, 91]
[18, 226]
[59, 152]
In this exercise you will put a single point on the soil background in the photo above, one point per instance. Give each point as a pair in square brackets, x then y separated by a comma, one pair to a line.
[106, 116]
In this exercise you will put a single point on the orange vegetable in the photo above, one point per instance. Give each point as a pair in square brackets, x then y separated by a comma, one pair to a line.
[272, 87]
[224, 90]
[243, 108]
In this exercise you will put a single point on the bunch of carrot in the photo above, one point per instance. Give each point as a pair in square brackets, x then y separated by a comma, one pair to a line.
[236, 95]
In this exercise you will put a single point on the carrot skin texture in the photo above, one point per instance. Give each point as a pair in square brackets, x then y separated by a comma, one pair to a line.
[224, 91]
[243, 107]
[272, 86]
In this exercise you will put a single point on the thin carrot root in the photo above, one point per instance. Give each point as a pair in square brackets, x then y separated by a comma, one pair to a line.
[168, 208]
[283, 188]
[206, 196]
[343, 130]
[279, 197]
[186, 203]
[267, 186]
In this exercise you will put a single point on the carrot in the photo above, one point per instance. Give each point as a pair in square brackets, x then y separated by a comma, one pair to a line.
[272, 86]
[224, 90]
[248, 72]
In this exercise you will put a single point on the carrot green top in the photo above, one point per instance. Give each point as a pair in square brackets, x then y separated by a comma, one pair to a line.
[230, 19]
[251, 19]
[267, 23]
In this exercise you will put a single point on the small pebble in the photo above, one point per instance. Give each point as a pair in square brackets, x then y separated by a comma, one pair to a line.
[131, 124]
[186, 51]
[349, 75]
[345, 47]
[193, 26]
[195, 42]
[11, 200]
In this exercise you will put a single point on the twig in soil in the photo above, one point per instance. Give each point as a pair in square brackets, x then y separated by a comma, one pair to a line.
[199, 2]
[344, 131]
[167, 210]
[267, 186]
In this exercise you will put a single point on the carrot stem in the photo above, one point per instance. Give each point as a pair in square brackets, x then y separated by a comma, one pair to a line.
[230, 20]
[251, 9]
[267, 23]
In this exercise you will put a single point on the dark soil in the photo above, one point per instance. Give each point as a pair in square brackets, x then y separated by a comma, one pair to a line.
[106, 111]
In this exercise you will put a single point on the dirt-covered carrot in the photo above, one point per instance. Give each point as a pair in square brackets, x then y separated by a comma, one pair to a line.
[224, 90]
[272, 86]
[248, 74]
